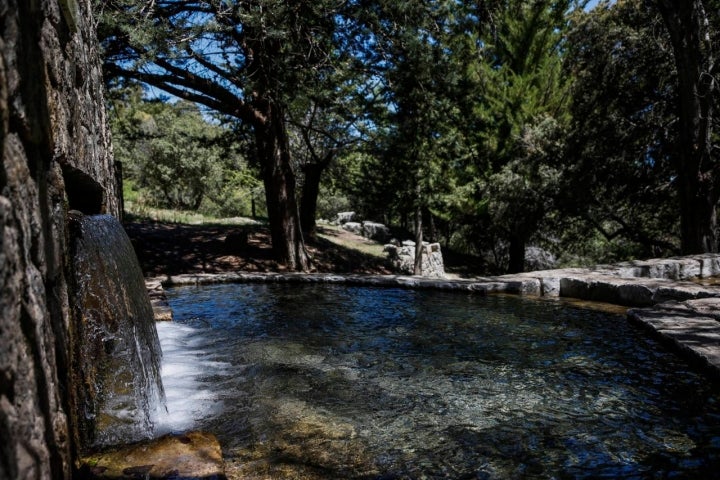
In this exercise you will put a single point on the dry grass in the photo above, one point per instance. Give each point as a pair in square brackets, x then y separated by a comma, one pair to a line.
[345, 239]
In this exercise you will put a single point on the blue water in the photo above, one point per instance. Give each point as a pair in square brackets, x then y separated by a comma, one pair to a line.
[335, 382]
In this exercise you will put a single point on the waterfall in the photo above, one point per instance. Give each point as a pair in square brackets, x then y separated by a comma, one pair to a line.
[116, 352]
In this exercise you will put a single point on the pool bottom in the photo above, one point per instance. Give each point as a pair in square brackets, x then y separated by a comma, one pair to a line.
[336, 382]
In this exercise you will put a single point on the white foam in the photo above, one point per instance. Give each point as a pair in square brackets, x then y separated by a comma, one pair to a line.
[186, 365]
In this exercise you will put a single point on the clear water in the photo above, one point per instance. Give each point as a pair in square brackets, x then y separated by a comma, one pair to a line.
[333, 382]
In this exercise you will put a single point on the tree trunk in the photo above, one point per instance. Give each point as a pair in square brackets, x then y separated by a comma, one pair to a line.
[698, 184]
[517, 254]
[418, 234]
[279, 181]
[308, 201]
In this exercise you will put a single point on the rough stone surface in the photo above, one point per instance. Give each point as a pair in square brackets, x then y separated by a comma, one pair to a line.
[158, 300]
[537, 258]
[375, 231]
[194, 455]
[402, 259]
[353, 227]
[372, 230]
[55, 154]
[344, 217]
[692, 327]
[677, 268]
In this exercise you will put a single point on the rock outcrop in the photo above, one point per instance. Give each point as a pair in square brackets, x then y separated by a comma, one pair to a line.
[403, 259]
[372, 230]
[343, 217]
[56, 156]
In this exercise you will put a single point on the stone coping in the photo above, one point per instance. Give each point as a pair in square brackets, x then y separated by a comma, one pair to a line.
[685, 314]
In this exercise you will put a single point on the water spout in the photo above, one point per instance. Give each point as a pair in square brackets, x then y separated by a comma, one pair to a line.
[117, 353]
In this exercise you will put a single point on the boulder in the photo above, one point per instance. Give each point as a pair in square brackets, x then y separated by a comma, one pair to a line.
[353, 227]
[403, 259]
[375, 231]
[344, 217]
[537, 258]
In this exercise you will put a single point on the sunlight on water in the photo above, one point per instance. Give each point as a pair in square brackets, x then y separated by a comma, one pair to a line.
[322, 382]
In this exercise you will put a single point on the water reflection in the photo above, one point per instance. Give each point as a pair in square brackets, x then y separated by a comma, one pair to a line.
[334, 382]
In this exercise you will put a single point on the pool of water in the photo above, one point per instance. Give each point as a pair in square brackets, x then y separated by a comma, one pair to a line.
[336, 382]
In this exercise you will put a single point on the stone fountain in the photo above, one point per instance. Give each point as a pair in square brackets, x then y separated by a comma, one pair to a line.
[116, 355]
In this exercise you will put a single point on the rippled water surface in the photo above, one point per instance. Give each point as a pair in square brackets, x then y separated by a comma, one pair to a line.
[335, 382]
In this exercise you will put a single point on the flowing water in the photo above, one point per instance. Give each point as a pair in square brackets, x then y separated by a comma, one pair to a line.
[335, 382]
[116, 352]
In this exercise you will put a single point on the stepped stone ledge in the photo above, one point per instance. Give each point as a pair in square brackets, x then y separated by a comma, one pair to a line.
[664, 294]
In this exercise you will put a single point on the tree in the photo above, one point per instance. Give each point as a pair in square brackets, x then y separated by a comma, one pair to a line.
[618, 173]
[169, 150]
[320, 132]
[519, 113]
[689, 26]
[413, 117]
[245, 60]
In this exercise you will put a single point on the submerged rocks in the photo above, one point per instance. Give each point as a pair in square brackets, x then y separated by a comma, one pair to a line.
[193, 455]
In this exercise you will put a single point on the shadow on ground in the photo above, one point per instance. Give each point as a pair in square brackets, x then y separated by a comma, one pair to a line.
[169, 249]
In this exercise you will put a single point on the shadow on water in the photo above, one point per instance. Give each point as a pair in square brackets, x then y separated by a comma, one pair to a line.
[335, 382]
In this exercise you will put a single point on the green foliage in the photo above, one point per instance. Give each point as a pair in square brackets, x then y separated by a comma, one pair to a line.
[330, 203]
[504, 124]
[618, 176]
[514, 101]
[173, 157]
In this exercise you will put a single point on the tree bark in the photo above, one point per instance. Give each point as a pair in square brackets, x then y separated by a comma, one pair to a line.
[517, 254]
[279, 181]
[698, 179]
[308, 200]
[418, 232]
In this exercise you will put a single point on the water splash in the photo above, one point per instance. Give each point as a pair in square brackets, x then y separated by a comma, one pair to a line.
[190, 375]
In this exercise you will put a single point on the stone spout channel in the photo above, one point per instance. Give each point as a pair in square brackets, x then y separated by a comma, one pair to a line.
[117, 354]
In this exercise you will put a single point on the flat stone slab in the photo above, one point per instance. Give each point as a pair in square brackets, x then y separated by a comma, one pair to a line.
[631, 284]
[193, 455]
[691, 326]
[519, 285]
[607, 287]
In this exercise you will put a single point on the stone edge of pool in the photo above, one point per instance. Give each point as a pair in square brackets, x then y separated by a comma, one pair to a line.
[659, 293]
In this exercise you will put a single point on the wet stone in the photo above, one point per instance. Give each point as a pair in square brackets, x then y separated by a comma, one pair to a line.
[160, 306]
[193, 455]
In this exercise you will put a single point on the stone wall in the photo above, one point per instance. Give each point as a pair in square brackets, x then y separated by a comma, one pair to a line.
[55, 157]
[403, 259]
